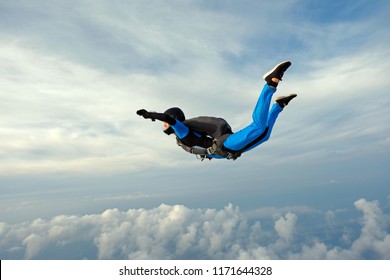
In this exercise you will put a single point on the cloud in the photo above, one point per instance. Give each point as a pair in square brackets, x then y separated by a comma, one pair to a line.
[285, 226]
[62, 116]
[73, 76]
[374, 235]
[178, 232]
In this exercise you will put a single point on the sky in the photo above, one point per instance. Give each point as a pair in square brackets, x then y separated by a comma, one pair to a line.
[83, 177]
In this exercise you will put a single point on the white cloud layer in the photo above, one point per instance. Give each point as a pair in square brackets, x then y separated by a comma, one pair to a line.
[177, 232]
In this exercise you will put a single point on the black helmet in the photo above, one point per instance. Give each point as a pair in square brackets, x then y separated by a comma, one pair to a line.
[176, 113]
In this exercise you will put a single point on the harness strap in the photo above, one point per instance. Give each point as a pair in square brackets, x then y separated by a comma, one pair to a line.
[191, 150]
[219, 149]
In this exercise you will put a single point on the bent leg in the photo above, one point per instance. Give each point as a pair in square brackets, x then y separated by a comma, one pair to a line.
[272, 116]
[260, 113]
[240, 139]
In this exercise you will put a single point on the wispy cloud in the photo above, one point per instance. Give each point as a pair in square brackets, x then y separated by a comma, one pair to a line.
[73, 77]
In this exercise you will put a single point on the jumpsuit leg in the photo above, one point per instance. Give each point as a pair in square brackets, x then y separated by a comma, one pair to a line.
[260, 118]
[260, 113]
[272, 116]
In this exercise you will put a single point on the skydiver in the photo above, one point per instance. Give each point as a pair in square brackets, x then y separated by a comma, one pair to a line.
[197, 140]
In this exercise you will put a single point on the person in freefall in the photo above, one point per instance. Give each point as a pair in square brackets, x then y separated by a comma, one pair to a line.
[211, 137]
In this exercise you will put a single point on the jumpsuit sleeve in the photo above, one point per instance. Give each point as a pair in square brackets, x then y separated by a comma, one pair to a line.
[156, 116]
[181, 130]
[191, 138]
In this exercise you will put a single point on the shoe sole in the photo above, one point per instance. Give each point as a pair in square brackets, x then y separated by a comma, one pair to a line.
[283, 103]
[281, 97]
[273, 69]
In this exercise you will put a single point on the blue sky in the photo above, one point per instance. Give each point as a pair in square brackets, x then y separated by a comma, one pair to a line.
[79, 169]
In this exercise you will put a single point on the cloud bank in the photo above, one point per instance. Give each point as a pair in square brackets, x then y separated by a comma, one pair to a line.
[177, 232]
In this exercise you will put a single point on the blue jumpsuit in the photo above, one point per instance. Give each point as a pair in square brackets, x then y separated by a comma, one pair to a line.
[262, 118]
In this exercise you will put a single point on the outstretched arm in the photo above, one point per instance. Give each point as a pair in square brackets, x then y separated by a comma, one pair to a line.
[187, 136]
[156, 116]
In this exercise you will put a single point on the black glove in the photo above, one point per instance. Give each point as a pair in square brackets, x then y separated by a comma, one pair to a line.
[142, 112]
[145, 114]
